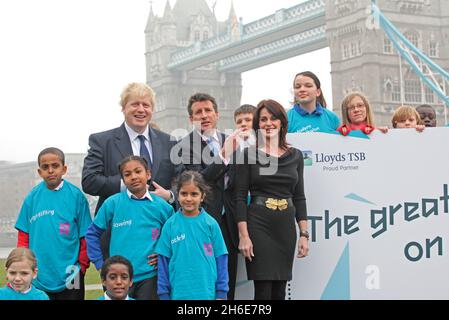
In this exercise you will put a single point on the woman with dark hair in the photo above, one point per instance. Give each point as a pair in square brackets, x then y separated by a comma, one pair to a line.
[309, 112]
[273, 175]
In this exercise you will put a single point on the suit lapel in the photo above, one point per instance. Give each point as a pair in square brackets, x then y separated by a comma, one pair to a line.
[156, 146]
[221, 138]
[197, 154]
[122, 142]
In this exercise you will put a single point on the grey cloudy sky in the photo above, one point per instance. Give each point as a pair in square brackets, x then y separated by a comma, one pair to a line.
[63, 64]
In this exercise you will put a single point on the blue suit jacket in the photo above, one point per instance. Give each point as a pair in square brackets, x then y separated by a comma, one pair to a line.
[101, 176]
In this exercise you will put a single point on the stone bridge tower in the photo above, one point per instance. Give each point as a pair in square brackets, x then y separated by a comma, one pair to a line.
[188, 23]
[364, 59]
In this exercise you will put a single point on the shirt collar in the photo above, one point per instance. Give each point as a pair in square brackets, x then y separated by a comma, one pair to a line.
[25, 292]
[206, 138]
[59, 187]
[318, 111]
[147, 195]
[133, 134]
[106, 297]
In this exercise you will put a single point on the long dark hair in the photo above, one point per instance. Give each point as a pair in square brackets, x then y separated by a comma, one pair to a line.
[320, 99]
[278, 111]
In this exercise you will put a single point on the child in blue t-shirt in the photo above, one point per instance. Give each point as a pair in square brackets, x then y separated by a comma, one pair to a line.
[136, 218]
[116, 276]
[21, 269]
[192, 253]
[52, 223]
[310, 113]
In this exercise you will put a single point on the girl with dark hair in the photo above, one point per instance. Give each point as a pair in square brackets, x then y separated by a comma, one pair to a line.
[309, 112]
[136, 218]
[273, 175]
[193, 259]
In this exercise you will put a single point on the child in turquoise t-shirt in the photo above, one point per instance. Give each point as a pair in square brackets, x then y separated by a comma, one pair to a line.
[52, 223]
[116, 276]
[136, 218]
[310, 113]
[21, 269]
[193, 259]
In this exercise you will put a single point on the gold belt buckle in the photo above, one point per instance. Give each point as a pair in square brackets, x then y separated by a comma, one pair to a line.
[273, 204]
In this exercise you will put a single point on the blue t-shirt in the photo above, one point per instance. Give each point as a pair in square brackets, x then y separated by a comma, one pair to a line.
[7, 293]
[136, 226]
[320, 120]
[192, 244]
[103, 298]
[55, 221]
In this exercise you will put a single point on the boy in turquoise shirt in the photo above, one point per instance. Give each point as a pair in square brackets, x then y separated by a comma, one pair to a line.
[52, 223]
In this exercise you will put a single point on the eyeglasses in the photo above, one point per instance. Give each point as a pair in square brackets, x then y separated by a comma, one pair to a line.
[359, 106]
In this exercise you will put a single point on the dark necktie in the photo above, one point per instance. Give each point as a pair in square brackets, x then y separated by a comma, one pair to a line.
[144, 153]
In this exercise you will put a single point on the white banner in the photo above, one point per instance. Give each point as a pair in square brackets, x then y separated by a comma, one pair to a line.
[378, 217]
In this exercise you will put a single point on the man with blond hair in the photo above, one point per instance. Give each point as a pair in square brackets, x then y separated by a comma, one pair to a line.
[135, 136]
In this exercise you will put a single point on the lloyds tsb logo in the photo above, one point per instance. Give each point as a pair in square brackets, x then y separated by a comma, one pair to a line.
[307, 155]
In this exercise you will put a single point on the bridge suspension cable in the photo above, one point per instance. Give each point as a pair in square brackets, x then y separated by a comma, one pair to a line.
[423, 66]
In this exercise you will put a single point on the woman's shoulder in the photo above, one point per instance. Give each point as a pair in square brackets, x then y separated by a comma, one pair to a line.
[292, 151]
[292, 154]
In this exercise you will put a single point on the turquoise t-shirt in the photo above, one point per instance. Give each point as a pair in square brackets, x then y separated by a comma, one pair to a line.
[7, 293]
[55, 221]
[103, 298]
[192, 244]
[136, 226]
[321, 120]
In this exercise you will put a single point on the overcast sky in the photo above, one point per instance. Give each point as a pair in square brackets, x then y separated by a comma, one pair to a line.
[63, 64]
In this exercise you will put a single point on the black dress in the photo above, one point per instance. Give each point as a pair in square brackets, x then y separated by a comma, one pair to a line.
[272, 232]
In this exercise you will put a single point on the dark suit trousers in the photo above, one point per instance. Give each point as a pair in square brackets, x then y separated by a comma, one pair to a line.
[232, 260]
[232, 271]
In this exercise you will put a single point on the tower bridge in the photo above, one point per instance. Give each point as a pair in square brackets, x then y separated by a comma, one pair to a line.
[188, 50]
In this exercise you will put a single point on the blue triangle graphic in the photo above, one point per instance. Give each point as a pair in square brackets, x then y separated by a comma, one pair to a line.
[356, 197]
[338, 286]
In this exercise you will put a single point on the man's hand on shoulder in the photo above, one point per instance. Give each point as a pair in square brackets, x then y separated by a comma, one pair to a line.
[161, 192]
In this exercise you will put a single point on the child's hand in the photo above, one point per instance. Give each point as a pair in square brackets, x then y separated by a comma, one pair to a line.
[383, 129]
[420, 127]
[230, 145]
[152, 260]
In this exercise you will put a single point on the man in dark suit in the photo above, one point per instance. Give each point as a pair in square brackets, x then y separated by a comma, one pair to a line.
[208, 151]
[135, 136]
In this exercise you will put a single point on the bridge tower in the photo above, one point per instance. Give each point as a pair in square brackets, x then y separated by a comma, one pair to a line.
[363, 58]
[187, 24]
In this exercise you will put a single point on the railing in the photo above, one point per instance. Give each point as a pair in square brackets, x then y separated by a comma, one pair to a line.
[278, 20]
[298, 40]
[284, 16]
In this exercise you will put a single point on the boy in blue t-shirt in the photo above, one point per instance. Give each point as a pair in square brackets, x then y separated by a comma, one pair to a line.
[117, 276]
[193, 259]
[136, 218]
[52, 223]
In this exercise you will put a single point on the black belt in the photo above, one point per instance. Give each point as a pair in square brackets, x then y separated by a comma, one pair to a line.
[272, 203]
